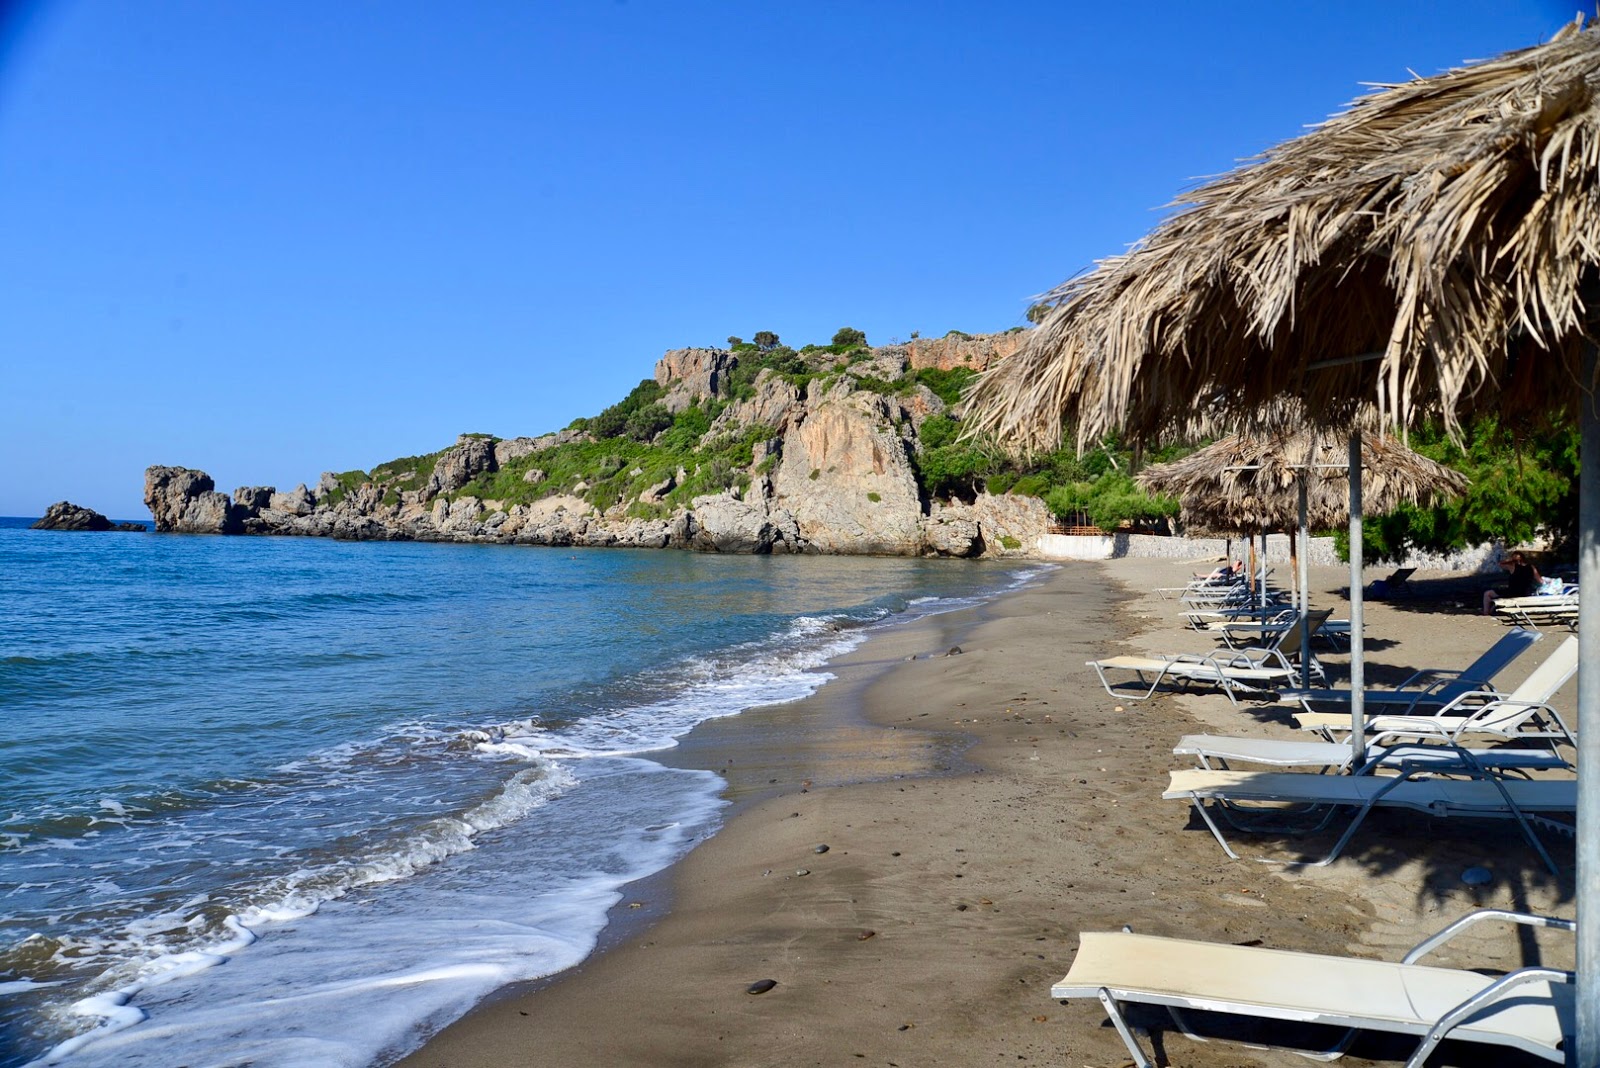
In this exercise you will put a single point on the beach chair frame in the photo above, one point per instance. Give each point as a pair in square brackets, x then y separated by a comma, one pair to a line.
[1227, 789]
[1115, 991]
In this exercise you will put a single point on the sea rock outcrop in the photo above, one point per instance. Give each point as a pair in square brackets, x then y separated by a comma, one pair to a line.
[64, 515]
[186, 502]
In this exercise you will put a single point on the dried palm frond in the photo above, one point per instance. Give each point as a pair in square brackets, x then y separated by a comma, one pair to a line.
[1251, 484]
[1427, 251]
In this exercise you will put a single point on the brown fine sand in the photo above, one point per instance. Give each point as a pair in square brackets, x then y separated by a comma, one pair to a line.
[979, 811]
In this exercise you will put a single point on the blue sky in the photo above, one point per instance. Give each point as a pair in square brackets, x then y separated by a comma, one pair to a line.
[272, 239]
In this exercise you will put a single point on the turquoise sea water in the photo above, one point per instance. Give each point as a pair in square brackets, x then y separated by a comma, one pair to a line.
[257, 789]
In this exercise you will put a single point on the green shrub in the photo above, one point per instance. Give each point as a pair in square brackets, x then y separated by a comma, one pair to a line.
[1000, 482]
[1031, 485]
[874, 497]
[947, 385]
[847, 338]
[1007, 541]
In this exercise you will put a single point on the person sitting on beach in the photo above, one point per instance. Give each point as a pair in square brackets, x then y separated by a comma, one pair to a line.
[1524, 581]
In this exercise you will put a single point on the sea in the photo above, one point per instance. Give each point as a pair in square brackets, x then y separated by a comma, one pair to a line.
[301, 802]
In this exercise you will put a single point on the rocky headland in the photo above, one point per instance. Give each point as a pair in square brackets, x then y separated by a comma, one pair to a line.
[750, 449]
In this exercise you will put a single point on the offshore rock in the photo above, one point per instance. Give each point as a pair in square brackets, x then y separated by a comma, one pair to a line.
[64, 515]
[186, 502]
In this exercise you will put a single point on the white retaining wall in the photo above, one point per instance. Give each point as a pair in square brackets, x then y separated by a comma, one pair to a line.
[1483, 558]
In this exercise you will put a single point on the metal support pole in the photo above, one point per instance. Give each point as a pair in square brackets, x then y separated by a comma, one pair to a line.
[1358, 667]
[1263, 574]
[1303, 536]
[1588, 835]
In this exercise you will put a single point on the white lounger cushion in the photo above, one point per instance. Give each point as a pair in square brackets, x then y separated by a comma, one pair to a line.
[1311, 988]
[1292, 753]
[1443, 796]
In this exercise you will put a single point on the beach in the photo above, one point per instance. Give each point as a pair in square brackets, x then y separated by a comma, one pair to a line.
[947, 902]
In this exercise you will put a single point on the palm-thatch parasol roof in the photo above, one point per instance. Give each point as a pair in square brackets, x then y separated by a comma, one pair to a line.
[1251, 484]
[1424, 250]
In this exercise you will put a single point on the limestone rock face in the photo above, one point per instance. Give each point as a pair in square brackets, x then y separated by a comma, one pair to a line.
[725, 524]
[977, 353]
[254, 498]
[775, 400]
[296, 502]
[64, 515]
[693, 373]
[1022, 519]
[186, 502]
[846, 475]
[469, 458]
[952, 532]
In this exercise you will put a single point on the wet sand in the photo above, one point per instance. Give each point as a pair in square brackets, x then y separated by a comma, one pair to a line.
[979, 810]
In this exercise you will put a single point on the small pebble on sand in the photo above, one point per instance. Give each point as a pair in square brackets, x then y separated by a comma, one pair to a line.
[760, 986]
[823, 848]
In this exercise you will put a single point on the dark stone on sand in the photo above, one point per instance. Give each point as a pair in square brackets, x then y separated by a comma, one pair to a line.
[819, 849]
[760, 986]
[955, 650]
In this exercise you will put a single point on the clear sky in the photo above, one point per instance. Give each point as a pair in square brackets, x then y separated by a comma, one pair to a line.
[275, 237]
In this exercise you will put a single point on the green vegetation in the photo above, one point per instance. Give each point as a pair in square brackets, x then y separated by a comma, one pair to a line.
[1008, 542]
[638, 445]
[348, 483]
[1524, 486]
[609, 471]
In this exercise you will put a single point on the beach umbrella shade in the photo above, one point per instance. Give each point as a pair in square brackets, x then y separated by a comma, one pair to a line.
[1293, 480]
[1250, 483]
[1431, 252]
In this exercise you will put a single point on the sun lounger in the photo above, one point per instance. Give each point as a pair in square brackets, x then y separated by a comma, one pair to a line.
[1530, 1010]
[1430, 687]
[1230, 670]
[1189, 671]
[1549, 610]
[1221, 752]
[1523, 713]
[1493, 798]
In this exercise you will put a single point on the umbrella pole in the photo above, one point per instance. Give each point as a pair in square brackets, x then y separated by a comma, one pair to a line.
[1263, 590]
[1358, 667]
[1588, 832]
[1303, 576]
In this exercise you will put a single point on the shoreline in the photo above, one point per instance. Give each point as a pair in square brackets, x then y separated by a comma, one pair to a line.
[948, 902]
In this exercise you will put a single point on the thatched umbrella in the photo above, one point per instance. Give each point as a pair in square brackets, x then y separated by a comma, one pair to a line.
[1293, 481]
[1434, 251]
[1251, 484]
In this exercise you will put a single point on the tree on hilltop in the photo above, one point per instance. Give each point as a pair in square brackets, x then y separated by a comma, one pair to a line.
[766, 340]
[849, 337]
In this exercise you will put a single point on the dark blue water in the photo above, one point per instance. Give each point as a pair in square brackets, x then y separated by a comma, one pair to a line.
[256, 788]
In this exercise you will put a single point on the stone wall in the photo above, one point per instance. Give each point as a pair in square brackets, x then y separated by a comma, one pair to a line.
[1480, 559]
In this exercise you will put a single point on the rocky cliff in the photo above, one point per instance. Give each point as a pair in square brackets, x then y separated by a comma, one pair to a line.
[742, 450]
